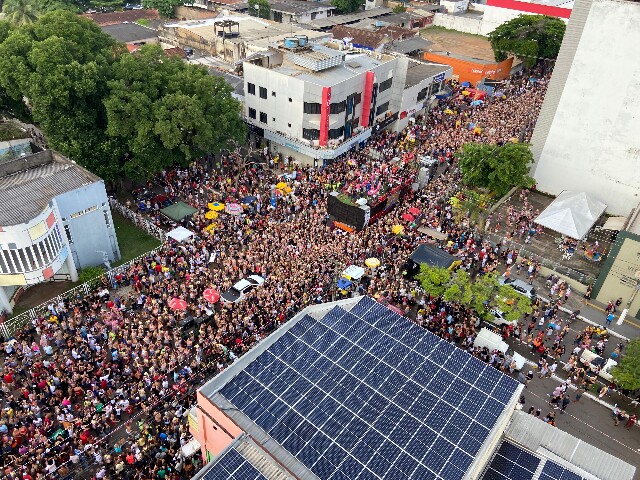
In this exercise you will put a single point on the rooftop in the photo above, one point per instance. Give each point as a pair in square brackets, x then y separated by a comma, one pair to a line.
[370, 38]
[418, 71]
[113, 18]
[237, 83]
[409, 45]
[28, 184]
[351, 389]
[296, 7]
[129, 32]
[348, 18]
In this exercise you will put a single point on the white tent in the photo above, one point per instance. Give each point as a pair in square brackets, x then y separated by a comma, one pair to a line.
[572, 214]
[353, 272]
[180, 234]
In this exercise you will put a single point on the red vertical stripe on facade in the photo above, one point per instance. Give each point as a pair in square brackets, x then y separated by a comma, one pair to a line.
[366, 99]
[324, 115]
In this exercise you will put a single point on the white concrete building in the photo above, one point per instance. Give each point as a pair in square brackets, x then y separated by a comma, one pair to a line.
[586, 138]
[300, 11]
[497, 12]
[315, 102]
[54, 220]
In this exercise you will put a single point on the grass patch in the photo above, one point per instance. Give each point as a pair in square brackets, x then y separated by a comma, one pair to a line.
[11, 131]
[143, 21]
[133, 241]
[437, 28]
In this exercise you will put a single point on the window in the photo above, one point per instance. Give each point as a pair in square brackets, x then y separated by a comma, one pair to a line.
[83, 212]
[263, 117]
[289, 125]
[263, 92]
[312, 108]
[338, 107]
[273, 94]
[386, 85]
[358, 98]
[382, 108]
[252, 113]
[251, 88]
[423, 94]
[106, 218]
[435, 87]
[68, 232]
[290, 100]
[310, 133]
[336, 133]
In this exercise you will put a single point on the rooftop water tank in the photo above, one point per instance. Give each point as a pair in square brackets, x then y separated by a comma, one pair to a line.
[302, 40]
[379, 23]
[291, 42]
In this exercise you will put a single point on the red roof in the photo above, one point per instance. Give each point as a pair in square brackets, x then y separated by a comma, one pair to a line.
[114, 18]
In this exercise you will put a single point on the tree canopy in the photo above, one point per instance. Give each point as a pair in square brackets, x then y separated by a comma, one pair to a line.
[347, 6]
[481, 295]
[259, 8]
[164, 7]
[111, 111]
[497, 168]
[530, 38]
[20, 12]
[627, 372]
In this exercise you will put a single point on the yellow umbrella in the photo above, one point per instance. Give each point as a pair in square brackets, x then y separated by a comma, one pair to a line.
[466, 94]
[281, 186]
[448, 111]
[372, 262]
[216, 206]
[397, 229]
[210, 215]
[287, 189]
[210, 227]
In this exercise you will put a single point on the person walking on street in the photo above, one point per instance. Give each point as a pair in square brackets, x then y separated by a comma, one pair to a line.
[565, 403]
[579, 394]
[632, 421]
[610, 317]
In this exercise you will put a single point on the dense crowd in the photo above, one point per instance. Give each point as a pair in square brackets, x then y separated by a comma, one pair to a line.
[102, 383]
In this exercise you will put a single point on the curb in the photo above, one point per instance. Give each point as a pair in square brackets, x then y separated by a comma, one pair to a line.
[584, 319]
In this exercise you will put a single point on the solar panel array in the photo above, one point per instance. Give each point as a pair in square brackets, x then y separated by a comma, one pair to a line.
[233, 466]
[368, 394]
[513, 463]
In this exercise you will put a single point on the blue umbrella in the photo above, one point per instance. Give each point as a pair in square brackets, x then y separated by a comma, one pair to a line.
[476, 102]
[465, 84]
[343, 283]
[273, 201]
[248, 200]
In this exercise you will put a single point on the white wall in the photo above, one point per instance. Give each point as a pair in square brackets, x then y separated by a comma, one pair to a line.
[458, 22]
[587, 136]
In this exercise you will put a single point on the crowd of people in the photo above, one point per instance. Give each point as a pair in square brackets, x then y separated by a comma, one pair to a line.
[102, 383]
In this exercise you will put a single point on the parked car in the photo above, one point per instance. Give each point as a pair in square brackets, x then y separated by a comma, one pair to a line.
[492, 341]
[592, 361]
[499, 319]
[241, 289]
[519, 286]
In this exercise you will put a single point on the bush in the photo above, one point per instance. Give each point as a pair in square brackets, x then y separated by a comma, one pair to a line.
[90, 273]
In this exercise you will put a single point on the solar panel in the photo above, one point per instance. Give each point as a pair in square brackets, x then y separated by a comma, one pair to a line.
[553, 471]
[366, 394]
[232, 466]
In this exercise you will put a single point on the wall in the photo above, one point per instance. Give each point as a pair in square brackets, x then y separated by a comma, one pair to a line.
[472, 72]
[586, 138]
[193, 13]
[213, 438]
[89, 231]
[618, 276]
[458, 22]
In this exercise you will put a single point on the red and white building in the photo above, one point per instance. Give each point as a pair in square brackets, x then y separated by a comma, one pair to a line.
[497, 12]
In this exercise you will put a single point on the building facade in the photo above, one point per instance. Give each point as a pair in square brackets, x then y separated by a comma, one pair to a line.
[54, 220]
[587, 140]
[497, 12]
[317, 102]
[472, 70]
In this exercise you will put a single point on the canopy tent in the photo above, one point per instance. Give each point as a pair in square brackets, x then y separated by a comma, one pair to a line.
[571, 214]
[433, 256]
[178, 211]
[180, 234]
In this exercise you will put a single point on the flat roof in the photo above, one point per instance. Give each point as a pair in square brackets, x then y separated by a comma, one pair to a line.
[348, 18]
[300, 6]
[354, 64]
[351, 388]
[418, 71]
[236, 82]
[129, 32]
[409, 45]
[28, 184]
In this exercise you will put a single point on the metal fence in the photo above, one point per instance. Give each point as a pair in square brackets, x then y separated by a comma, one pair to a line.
[138, 220]
[15, 324]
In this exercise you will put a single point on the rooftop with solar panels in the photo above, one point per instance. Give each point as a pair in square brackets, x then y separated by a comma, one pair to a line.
[351, 390]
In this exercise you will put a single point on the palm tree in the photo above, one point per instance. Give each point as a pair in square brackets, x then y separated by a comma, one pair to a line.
[20, 12]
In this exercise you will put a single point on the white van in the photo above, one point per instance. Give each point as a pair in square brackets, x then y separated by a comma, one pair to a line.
[592, 361]
[492, 341]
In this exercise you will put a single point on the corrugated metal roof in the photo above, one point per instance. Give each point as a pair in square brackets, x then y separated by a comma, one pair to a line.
[410, 44]
[348, 18]
[540, 437]
[30, 183]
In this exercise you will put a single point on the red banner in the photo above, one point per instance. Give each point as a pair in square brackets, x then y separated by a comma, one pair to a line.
[324, 115]
[366, 99]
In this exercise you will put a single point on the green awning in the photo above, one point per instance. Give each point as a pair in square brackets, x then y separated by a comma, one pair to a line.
[178, 211]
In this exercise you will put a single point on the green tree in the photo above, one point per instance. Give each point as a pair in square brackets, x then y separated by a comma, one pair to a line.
[259, 8]
[5, 28]
[164, 7]
[460, 288]
[511, 303]
[627, 372]
[497, 168]
[20, 12]
[167, 111]
[399, 8]
[347, 6]
[434, 280]
[529, 38]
